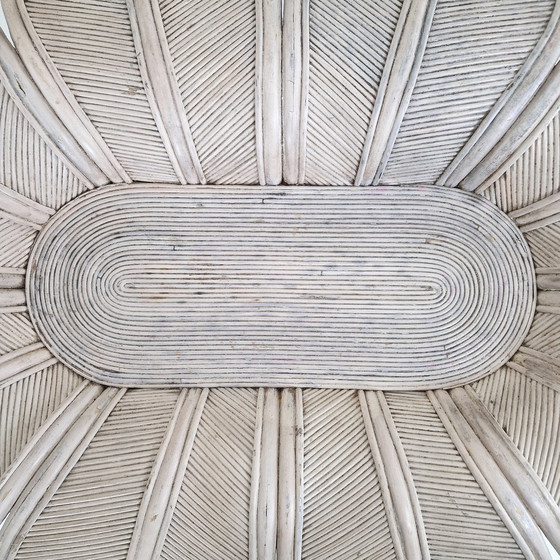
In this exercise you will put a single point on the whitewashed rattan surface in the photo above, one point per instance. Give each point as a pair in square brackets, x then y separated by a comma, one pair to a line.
[189, 97]
[380, 288]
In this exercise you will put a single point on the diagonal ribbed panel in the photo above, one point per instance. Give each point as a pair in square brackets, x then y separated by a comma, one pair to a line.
[16, 331]
[344, 514]
[24, 362]
[27, 403]
[545, 245]
[348, 45]
[534, 175]
[12, 294]
[212, 46]
[460, 522]
[529, 412]
[49, 105]
[211, 518]
[395, 90]
[161, 88]
[22, 210]
[92, 47]
[544, 102]
[533, 497]
[543, 335]
[100, 497]
[15, 243]
[27, 163]
[473, 53]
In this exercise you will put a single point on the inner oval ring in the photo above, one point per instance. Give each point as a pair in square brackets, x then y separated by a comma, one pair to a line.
[285, 286]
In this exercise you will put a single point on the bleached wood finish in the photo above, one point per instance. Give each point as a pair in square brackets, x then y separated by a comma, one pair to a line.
[263, 520]
[22, 210]
[12, 301]
[23, 362]
[12, 293]
[491, 479]
[15, 243]
[29, 484]
[268, 94]
[290, 475]
[276, 512]
[395, 89]
[548, 295]
[347, 253]
[30, 163]
[138, 422]
[542, 336]
[258, 94]
[215, 64]
[212, 512]
[527, 485]
[41, 445]
[16, 331]
[344, 512]
[107, 472]
[45, 96]
[348, 42]
[158, 503]
[295, 83]
[162, 91]
[524, 399]
[459, 520]
[400, 497]
[314, 40]
[545, 245]
[539, 214]
[476, 53]
[322, 71]
[26, 405]
[90, 45]
[544, 102]
[532, 173]
[548, 278]
[12, 278]
[508, 109]
[540, 366]
[548, 301]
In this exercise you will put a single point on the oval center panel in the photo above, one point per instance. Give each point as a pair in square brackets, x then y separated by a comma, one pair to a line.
[376, 288]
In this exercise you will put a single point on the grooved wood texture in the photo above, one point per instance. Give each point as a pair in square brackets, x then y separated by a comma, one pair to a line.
[545, 245]
[15, 243]
[534, 175]
[473, 53]
[101, 495]
[27, 403]
[91, 44]
[254, 286]
[215, 67]
[543, 335]
[348, 45]
[201, 283]
[28, 165]
[16, 331]
[344, 515]
[211, 518]
[460, 522]
[529, 412]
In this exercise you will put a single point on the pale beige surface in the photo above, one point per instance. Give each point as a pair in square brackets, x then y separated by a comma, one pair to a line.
[372, 92]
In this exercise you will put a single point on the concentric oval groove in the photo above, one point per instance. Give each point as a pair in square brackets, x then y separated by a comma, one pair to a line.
[376, 288]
